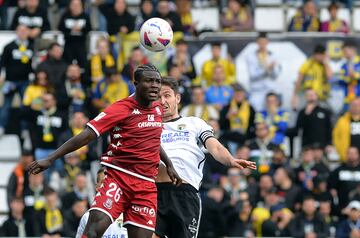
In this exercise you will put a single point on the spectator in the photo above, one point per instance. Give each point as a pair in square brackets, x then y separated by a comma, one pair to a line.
[34, 195]
[288, 191]
[118, 18]
[218, 94]
[146, 12]
[109, 90]
[183, 8]
[345, 178]
[236, 184]
[275, 117]
[350, 74]
[309, 223]
[88, 153]
[279, 160]
[183, 60]
[325, 206]
[184, 84]
[263, 72]
[49, 220]
[237, 17]
[45, 128]
[237, 118]
[314, 74]
[32, 16]
[74, 89]
[276, 226]
[55, 67]
[100, 61]
[265, 184]
[261, 148]
[198, 106]
[81, 191]
[18, 181]
[136, 58]
[314, 121]
[213, 221]
[164, 12]
[227, 64]
[334, 24]
[306, 18]
[64, 182]
[72, 217]
[34, 92]
[239, 220]
[75, 25]
[346, 132]
[16, 60]
[16, 225]
[308, 170]
[262, 211]
[351, 226]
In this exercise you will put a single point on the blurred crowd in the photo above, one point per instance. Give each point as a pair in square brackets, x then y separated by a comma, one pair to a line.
[315, 193]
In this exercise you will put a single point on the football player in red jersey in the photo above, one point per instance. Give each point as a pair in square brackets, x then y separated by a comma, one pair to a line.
[131, 160]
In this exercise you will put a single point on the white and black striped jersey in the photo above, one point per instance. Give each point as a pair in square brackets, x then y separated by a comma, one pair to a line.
[183, 139]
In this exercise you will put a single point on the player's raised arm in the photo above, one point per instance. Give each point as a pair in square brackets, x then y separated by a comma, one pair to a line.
[71, 145]
[175, 178]
[221, 154]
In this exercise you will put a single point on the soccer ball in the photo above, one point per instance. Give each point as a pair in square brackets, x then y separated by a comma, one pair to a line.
[156, 34]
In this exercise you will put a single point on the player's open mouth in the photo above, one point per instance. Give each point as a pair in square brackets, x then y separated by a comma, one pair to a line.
[153, 94]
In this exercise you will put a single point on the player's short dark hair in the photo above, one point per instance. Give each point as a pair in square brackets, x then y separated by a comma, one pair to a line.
[171, 82]
[181, 42]
[138, 74]
[319, 49]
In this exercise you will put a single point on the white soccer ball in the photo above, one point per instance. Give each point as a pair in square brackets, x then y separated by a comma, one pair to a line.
[156, 34]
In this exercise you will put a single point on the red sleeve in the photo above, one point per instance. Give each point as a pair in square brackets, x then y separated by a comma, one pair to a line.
[110, 117]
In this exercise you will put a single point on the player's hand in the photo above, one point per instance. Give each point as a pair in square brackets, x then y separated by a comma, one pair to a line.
[175, 178]
[38, 166]
[242, 164]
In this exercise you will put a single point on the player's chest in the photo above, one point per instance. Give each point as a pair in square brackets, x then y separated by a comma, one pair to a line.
[140, 120]
[178, 133]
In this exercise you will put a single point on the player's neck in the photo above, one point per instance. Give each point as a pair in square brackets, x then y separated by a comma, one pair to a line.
[170, 117]
[143, 102]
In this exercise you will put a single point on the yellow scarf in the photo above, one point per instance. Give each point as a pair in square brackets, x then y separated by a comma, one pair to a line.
[71, 172]
[240, 121]
[204, 113]
[53, 219]
[77, 131]
[334, 26]
[96, 66]
[299, 21]
[24, 57]
[114, 91]
[241, 15]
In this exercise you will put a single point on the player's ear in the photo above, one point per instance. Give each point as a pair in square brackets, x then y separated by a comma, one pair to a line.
[178, 98]
[135, 82]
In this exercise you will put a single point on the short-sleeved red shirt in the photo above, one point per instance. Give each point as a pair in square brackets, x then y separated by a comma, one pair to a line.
[135, 136]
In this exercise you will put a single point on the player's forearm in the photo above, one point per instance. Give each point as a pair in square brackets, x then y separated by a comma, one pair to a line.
[74, 143]
[221, 154]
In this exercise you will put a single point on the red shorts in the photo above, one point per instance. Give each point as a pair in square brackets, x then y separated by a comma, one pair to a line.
[125, 193]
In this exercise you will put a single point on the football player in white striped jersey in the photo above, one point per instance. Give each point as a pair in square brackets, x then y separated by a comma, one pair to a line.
[184, 139]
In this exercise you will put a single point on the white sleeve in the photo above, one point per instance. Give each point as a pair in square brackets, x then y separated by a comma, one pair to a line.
[82, 225]
[204, 130]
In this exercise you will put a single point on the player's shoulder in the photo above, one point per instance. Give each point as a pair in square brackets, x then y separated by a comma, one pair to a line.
[196, 121]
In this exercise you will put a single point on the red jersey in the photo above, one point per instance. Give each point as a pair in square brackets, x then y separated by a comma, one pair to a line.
[135, 137]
